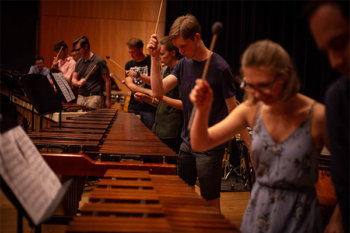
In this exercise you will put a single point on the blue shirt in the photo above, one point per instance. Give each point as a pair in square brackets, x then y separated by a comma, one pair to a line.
[44, 71]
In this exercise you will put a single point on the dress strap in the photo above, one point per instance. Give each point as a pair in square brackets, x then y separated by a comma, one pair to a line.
[258, 114]
[310, 110]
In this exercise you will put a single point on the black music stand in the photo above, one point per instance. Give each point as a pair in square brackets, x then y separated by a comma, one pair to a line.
[41, 94]
[10, 185]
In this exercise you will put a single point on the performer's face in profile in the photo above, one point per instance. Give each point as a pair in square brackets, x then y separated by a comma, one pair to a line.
[263, 83]
[39, 64]
[79, 50]
[330, 30]
[166, 56]
[187, 47]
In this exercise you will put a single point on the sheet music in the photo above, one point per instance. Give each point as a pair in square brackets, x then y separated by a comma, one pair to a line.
[27, 174]
[64, 86]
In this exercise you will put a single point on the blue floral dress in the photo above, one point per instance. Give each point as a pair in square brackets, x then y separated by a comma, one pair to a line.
[283, 198]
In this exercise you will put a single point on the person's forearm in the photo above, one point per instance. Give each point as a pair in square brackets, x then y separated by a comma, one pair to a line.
[151, 100]
[175, 103]
[156, 78]
[75, 81]
[135, 88]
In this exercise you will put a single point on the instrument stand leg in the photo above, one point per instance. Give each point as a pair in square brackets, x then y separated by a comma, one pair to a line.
[19, 222]
[38, 229]
[60, 118]
[32, 118]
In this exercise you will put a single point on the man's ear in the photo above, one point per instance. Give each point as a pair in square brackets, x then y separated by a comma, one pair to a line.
[197, 36]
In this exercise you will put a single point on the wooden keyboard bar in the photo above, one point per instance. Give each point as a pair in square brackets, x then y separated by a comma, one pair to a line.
[131, 174]
[123, 209]
[84, 144]
[136, 148]
[98, 122]
[66, 136]
[114, 224]
[74, 130]
[80, 126]
[125, 183]
[123, 195]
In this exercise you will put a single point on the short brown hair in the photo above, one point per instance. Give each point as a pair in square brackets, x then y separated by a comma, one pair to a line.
[266, 53]
[135, 42]
[187, 26]
[82, 40]
[57, 46]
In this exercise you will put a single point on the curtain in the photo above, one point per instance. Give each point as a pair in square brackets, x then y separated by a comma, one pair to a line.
[248, 21]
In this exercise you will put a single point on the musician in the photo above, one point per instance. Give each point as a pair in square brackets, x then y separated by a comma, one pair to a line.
[288, 135]
[185, 33]
[91, 75]
[168, 120]
[63, 62]
[329, 25]
[138, 70]
[39, 68]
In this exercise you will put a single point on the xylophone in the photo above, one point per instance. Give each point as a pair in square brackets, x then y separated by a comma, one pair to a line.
[137, 201]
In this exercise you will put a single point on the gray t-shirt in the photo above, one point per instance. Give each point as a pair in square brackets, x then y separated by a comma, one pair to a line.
[95, 83]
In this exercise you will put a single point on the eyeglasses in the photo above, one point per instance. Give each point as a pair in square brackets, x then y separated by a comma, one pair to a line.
[262, 87]
[77, 50]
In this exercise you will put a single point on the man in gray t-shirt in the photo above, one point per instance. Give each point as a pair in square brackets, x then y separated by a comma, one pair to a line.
[91, 75]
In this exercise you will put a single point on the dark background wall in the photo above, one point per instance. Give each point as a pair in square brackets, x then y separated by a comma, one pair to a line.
[18, 34]
[247, 21]
[244, 22]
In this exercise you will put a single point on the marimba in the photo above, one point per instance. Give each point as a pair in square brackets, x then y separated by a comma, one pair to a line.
[102, 139]
[99, 138]
[136, 201]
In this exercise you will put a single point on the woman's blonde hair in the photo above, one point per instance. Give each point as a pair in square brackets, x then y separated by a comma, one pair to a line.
[268, 54]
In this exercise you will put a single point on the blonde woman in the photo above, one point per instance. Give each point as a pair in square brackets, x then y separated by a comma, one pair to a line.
[288, 135]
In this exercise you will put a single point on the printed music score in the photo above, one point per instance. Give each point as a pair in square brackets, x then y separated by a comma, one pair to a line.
[28, 176]
[63, 86]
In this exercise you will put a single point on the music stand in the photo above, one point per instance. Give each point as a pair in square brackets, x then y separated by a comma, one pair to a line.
[62, 86]
[34, 174]
[40, 93]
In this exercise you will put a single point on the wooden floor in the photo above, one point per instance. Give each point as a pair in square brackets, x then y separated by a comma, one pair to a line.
[232, 207]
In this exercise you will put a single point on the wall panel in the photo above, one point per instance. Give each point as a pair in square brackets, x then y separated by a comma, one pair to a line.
[107, 24]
